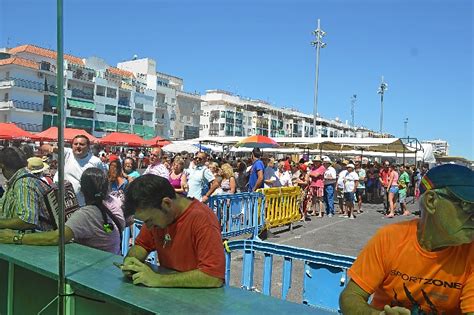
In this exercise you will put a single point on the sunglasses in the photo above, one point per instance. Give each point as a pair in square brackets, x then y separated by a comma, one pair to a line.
[465, 205]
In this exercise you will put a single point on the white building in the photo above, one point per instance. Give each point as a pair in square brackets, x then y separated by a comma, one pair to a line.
[226, 114]
[99, 98]
[440, 147]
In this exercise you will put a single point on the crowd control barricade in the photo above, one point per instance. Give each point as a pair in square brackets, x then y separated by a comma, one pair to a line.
[239, 213]
[325, 274]
[282, 205]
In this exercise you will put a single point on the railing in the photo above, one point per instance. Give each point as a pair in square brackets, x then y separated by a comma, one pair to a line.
[325, 274]
[29, 127]
[282, 205]
[27, 105]
[239, 213]
[81, 94]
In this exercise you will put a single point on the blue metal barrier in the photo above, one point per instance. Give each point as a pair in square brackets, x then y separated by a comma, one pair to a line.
[240, 213]
[133, 233]
[325, 274]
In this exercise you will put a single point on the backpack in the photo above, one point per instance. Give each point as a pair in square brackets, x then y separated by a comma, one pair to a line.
[51, 197]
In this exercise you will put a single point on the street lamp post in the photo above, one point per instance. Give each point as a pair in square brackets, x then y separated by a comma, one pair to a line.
[318, 43]
[405, 122]
[353, 102]
[383, 87]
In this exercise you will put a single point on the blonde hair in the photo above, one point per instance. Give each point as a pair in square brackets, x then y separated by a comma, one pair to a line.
[227, 170]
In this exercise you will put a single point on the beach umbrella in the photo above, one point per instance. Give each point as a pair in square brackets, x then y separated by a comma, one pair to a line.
[10, 131]
[122, 139]
[257, 141]
[157, 142]
[51, 134]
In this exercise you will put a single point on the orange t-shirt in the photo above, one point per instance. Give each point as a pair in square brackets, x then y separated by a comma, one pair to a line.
[394, 267]
[196, 242]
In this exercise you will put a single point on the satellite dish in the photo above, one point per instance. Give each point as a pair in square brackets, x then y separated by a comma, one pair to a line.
[135, 57]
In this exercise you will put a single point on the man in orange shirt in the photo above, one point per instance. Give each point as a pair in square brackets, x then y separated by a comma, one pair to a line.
[184, 231]
[423, 266]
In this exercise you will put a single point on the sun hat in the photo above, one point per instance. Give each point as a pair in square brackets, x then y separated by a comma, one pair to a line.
[350, 165]
[458, 179]
[326, 159]
[36, 165]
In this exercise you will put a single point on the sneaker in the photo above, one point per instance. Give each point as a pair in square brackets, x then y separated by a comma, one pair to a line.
[330, 215]
[342, 216]
[352, 217]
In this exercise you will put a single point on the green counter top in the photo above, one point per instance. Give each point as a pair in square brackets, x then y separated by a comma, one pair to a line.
[91, 272]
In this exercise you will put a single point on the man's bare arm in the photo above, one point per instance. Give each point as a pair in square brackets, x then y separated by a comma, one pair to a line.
[353, 300]
[16, 224]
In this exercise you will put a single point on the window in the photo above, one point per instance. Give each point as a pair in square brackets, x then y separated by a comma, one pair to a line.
[222, 126]
[100, 90]
[5, 98]
[111, 93]
[7, 75]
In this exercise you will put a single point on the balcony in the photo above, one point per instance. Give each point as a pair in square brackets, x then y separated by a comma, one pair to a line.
[82, 94]
[124, 101]
[29, 127]
[27, 105]
[27, 84]
[83, 75]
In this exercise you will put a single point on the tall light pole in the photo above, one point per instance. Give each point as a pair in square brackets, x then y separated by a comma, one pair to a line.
[318, 43]
[353, 103]
[382, 88]
[405, 122]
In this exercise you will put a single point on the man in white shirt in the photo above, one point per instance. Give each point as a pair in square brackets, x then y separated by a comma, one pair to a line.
[340, 189]
[351, 181]
[329, 185]
[76, 161]
[201, 181]
[269, 177]
[156, 167]
[284, 177]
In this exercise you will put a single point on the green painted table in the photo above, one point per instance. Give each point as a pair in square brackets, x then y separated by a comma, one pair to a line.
[28, 276]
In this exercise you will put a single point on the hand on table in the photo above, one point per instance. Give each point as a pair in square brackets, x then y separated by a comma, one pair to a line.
[139, 272]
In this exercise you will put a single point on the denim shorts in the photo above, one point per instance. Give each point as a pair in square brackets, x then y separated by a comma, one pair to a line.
[349, 196]
[393, 189]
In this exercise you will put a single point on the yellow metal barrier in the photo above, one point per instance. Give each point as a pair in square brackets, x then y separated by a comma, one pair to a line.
[282, 205]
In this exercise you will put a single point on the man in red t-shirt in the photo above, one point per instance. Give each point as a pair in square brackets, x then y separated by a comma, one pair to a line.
[184, 231]
[384, 175]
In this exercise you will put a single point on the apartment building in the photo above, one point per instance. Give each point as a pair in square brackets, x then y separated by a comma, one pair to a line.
[226, 114]
[132, 97]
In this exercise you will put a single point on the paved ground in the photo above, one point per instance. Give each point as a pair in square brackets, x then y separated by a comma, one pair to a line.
[336, 235]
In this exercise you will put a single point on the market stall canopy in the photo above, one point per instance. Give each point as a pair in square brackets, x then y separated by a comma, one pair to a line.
[347, 144]
[123, 139]
[10, 131]
[157, 142]
[51, 134]
[177, 147]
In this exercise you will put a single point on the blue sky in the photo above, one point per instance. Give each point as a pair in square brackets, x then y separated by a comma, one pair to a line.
[261, 49]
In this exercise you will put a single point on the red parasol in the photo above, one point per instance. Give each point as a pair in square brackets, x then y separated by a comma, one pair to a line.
[10, 131]
[123, 139]
[51, 134]
[157, 142]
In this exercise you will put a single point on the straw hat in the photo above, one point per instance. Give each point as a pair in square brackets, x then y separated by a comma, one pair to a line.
[36, 165]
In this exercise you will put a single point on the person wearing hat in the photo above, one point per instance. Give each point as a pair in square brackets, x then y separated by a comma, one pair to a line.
[340, 186]
[38, 167]
[316, 186]
[425, 265]
[351, 180]
[329, 184]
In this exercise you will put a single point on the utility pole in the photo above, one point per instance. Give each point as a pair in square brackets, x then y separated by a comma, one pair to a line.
[318, 43]
[353, 103]
[383, 87]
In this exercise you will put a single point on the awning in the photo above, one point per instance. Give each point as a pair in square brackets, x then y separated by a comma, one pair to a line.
[81, 104]
[149, 132]
[110, 109]
[123, 127]
[138, 129]
[10, 131]
[79, 123]
[51, 134]
[124, 111]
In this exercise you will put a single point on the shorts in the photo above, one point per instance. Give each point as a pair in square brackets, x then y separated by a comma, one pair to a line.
[393, 189]
[402, 195]
[340, 193]
[315, 193]
[359, 193]
[349, 197]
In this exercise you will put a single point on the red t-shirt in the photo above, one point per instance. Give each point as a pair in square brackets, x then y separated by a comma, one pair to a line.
[396, 268]
[384, 174]
[196, 242]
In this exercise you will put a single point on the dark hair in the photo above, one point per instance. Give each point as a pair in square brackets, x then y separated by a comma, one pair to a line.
[134, 164]
[27, 150]
[95, 186]
[83, 137]
[147, 191]
[13, 158]
[257, 153]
